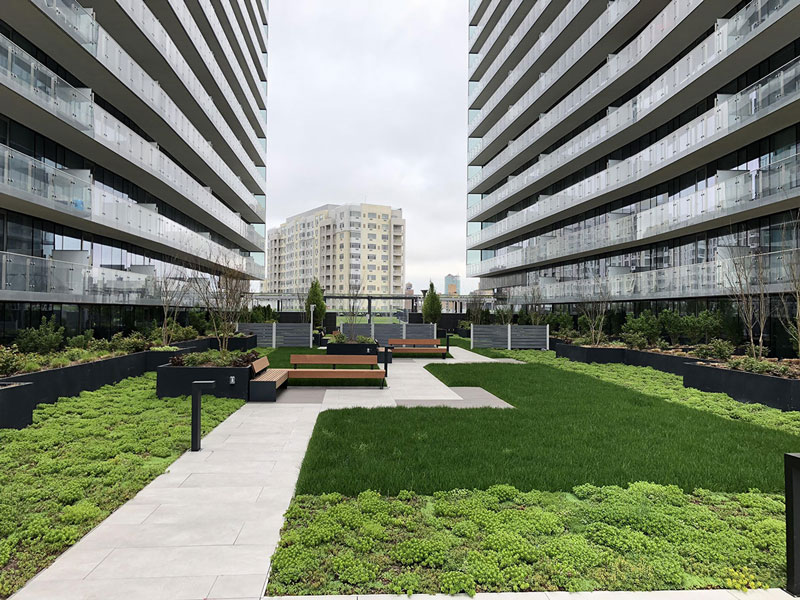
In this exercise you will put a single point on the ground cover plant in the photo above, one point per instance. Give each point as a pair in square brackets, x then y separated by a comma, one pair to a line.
[81, 459]
[568, 428]
[639, 537]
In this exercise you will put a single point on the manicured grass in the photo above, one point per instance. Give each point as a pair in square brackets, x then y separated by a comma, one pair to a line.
[642, 537]
[82, 458]
[568, 429]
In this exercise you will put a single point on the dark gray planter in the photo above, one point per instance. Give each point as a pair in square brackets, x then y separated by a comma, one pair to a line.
[320, 340]
[586, 354]
[159, 357]
[236, 343]
[465, 333]
[16, 405]
[352, 349]
[177, 381]
[750, 388]
[661, 362]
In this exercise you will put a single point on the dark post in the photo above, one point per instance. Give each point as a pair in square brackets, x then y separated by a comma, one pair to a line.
[369, 309]
[386, 351]
[448, 343]
[791, 469]
[197, 392]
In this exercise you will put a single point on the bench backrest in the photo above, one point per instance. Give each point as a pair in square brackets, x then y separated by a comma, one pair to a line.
[414, 342]
[333, 359]
[259, 364]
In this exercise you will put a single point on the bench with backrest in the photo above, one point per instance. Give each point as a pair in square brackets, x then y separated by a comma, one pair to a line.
[421, 346]
[332, 361]
[264, 382]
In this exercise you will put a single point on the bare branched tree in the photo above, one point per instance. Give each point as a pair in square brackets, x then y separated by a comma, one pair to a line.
[746, 279]
[594, 305]
[534, 304]
[475, 309]
[504, 315]
[354, 303]
[172, 289]
[300, 296]
[225, 294]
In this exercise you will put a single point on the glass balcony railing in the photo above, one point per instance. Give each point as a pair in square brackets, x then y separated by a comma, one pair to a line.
[598, 29]
[74, 19]
[32, 180]
[23, 73]
[770, 93]
[555, 29]
[711, 278]
[703, 57]
[28, 77]
[117, 61]
[29, 179]
[738, 193]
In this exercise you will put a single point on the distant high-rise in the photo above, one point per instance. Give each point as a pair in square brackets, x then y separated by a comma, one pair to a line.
[452, 285]
[350, 249]
[132, 145]
[631, 147]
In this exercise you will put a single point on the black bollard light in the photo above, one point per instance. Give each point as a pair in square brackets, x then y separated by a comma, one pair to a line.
[197, 394]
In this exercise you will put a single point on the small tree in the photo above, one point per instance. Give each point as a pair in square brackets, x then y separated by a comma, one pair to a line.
[504, 315]
[475, 309]
[225, 295]
[353, 314]
[316, 298]
[746, 278]
[172, 289]
[673, 324]
[593, 307]
[432, 306]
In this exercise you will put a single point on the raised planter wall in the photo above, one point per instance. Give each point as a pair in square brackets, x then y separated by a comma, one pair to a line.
[235, 343]
[586, 354]
[16, 405]
[750, 388]
[635, 358]
[177, 381]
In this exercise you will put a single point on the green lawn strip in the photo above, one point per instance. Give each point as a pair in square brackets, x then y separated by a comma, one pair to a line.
[567, 429]
[279, 359]
[665, 386]
[81, 459]
[641, 537]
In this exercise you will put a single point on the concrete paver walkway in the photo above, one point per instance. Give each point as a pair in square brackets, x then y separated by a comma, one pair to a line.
[207, 527]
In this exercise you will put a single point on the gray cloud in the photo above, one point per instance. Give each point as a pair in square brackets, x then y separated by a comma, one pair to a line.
[368, 102]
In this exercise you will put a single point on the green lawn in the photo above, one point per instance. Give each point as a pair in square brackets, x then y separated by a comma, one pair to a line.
[82, 458]
[568, 429]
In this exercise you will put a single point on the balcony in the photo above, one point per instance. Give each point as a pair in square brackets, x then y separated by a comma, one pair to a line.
[23, 74]
[777, 92]
[738, 197]
[118, 64]
[26, 181]
[693, 69]
[711, 278]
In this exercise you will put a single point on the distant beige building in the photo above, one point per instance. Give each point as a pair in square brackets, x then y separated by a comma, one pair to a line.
[350, 248]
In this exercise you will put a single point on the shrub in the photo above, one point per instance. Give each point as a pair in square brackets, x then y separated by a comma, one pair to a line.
[465, 324]
[197, 320]
[673, 324]
[164, 348]
[524, 317]
[135, 342]
[364, 339]
[721, 349]
[81, 341]
[45, 338]
[645, 325]
[214, 358]
[636, 341]
[100, 345]
[560, 321]
[339, 338]
[703, 326]
[11, 360]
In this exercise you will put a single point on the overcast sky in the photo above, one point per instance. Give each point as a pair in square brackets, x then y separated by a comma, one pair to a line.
[368, 102]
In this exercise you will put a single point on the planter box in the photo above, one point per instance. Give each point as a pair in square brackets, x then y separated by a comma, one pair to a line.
[777, 392]
[320, 340]
[661, 362]
[587, 354]
[236, 343]
[177, 381]
[16, 405]
[155, 358]
[351, 349]
[463, 332]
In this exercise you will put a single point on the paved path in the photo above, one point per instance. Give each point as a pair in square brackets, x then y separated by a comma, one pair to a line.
[207, 528]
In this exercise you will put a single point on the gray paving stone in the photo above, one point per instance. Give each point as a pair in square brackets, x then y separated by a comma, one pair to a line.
[238, 586]
[153, 588]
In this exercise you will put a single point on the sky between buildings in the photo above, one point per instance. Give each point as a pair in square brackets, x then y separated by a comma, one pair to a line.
[368, 103]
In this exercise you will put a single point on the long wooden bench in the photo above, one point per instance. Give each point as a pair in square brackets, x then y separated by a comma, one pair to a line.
[298, 360]
[418, 346]
[264, 382]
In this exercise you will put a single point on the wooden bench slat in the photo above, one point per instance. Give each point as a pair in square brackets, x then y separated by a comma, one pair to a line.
[260, 364]
[332, 359]
[336, 374]
[421, 350]
[413, 342]
[277, 375]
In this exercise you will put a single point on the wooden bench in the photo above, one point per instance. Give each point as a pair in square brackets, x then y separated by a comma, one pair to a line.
[333, 373]
[418, 346]
[264, 382]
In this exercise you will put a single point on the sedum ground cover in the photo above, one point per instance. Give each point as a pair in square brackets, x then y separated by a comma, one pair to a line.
[641, 537]
[578, 436]
[81, 459]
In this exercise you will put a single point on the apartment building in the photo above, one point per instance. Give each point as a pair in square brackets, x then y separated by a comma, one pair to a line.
[350, 249]
[635, 148]
[132, 145]
[452, 285]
